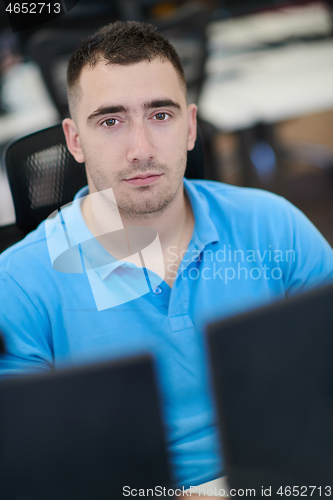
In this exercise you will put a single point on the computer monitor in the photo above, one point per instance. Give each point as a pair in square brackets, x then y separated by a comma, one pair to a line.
[273, 376]
[82, 433]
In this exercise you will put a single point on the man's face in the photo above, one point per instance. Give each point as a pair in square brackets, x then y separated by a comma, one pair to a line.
[133, 129]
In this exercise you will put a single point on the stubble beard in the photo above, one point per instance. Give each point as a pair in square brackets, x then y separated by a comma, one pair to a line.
[146, 201]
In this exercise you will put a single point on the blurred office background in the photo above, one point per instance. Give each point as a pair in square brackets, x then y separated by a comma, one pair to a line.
[261, 72]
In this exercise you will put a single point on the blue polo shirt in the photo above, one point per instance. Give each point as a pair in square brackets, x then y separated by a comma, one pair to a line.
[248, 247]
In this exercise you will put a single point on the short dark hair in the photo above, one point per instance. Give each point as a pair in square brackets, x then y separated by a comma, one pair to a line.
[122, 42]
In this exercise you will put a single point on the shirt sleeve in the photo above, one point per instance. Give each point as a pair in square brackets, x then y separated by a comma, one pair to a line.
[311, 259]
[28, 346]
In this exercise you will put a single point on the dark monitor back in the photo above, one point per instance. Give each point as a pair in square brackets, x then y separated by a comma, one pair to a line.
[82, 433]
[273, 378]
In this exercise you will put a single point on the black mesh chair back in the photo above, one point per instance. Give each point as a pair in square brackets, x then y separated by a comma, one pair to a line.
[43, 175]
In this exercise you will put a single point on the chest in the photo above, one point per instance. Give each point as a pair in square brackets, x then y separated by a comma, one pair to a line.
[173, 255]
[159, 317]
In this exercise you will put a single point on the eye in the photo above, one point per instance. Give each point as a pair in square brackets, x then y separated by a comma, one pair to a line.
[162, 117]
[110, 122]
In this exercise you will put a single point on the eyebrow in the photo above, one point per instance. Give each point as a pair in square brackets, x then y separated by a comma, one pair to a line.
[161, 103]
[109, 110]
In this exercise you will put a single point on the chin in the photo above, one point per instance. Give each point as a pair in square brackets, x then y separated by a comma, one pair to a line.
[144, 208]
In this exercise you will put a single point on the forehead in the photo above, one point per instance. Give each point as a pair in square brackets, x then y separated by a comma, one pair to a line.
[129, 85]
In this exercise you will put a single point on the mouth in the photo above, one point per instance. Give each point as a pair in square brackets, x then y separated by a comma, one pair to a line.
[143, 179]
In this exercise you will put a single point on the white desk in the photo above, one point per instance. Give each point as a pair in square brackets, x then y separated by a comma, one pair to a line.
[7, 213]
[30, 106]
[247, 83]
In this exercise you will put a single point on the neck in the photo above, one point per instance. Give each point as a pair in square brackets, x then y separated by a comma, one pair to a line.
[169, 223]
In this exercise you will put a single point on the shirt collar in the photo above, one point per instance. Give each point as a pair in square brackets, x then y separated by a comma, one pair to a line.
[204, 233]
[94, 254]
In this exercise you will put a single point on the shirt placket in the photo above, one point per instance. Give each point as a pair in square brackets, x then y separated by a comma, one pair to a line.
[179, 318]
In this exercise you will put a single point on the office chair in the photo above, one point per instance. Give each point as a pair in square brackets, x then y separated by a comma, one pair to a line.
[43, 176]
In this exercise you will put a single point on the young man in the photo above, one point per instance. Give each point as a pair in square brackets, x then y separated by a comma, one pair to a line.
[223, 249]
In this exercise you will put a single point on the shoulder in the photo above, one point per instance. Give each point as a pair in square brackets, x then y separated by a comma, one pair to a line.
[259, 220]
[254, 215]
[227, 192]
[241, 202]
[26, 257]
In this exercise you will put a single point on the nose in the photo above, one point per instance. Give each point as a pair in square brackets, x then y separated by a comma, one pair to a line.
[140, 147]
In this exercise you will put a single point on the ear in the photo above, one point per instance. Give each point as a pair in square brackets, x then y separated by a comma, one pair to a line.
[192, 126]
[72, 139]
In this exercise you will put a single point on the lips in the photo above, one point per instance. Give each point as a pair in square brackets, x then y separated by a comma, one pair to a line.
[143, 179]
[142, 176]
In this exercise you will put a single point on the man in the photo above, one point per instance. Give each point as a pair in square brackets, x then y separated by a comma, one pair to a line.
[224, 248]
